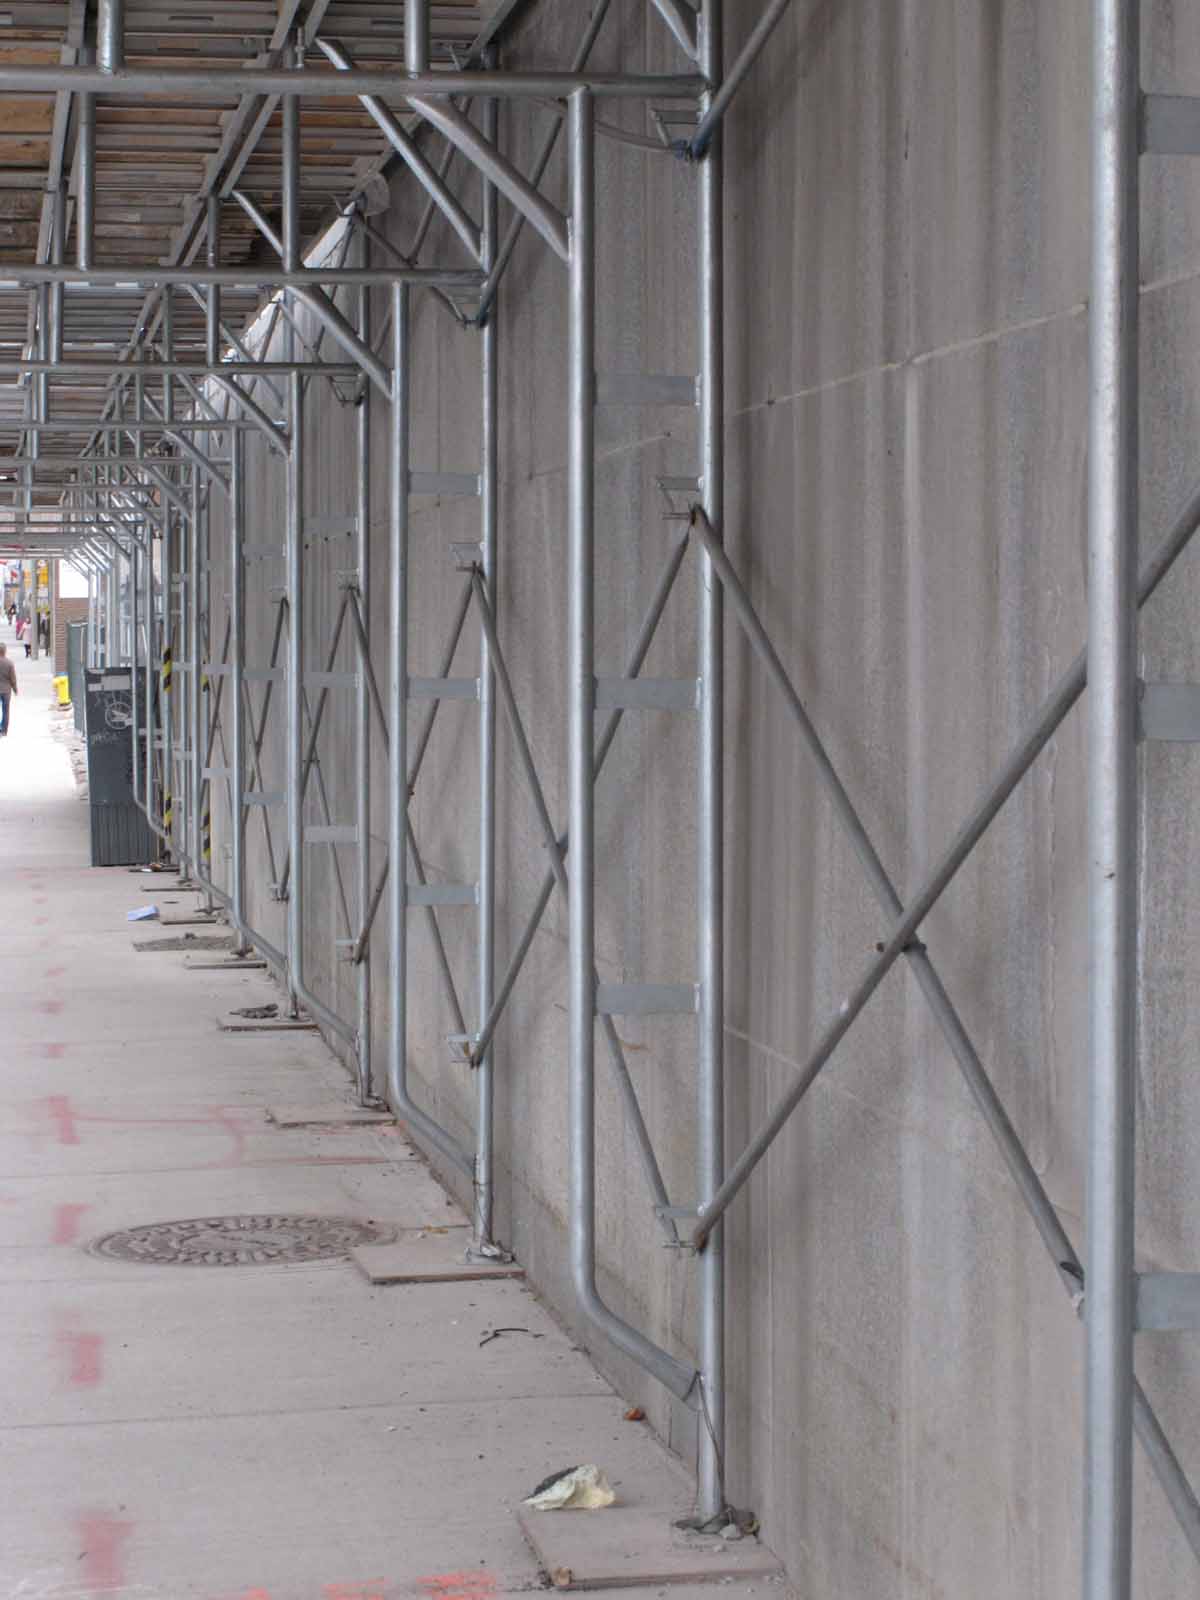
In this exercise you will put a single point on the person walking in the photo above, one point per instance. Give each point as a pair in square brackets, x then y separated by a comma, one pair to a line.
[8, 688]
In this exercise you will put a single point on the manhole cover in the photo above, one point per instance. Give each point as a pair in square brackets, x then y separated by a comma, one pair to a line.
[240, 1241]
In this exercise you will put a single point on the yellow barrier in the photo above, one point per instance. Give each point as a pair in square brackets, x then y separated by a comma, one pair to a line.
[63, 687]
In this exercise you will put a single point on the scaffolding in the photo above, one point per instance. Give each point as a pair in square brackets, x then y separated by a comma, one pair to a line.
[174, 443]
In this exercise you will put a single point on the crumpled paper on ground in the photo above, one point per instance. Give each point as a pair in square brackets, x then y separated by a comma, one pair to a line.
[583, 1488]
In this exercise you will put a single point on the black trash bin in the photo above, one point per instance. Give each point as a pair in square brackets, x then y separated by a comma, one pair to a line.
[121, 836]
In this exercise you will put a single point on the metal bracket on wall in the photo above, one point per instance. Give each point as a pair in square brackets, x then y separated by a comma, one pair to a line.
[1170, 712]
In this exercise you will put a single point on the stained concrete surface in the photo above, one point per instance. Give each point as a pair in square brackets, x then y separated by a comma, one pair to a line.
[250, 1433]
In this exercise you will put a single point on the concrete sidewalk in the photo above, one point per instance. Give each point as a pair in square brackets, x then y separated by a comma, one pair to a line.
[260, 1432]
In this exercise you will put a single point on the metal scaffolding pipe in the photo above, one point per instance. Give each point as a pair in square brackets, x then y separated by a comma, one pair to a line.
[139, 276]
[58, 233]
[85, 198]
[135, 730]
[289, 241]
[362, 818]
[720, 102]
[633, 667]
[416, 35]
[102, 367]
[110, 35]
[1112, 802]
[312, 83]
[167, 679]
[1032, 742]
[710, 820]
[412, 155]
[237, 663]
[212, 325]
[293, 556]
[193, 742]
[489, 491]
[150, 673]
[579, 61]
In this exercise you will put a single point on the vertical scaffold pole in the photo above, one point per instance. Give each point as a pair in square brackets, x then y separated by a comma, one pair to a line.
[110, 35]
[294, 558]
[294, 554]
[193, 743]
[212, 319]
[581, 693]
[416, 35]
[85, 198]
[237, 664]
[1112, 799]
[166, 681]
[488, 489]
[152, 645]
[397, 888]
[363, 698]
[135, 731]
[710, 1165]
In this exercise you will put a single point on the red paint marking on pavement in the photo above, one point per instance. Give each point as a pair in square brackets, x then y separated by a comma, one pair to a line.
[233, 1128]
[151, 1122]
[56, 972]
[54, 1052]
[63, 1118]
[473, 1584]
[41, 922]
[51, 1008]
[85, 1356]
[38, 899]
[372, 1589]
[66, 1221]
[101, 1540]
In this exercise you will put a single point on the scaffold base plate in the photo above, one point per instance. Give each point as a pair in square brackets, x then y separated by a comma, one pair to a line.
[331, 1113]
[225, 964]
[631, 1546]
[187, 941]
[232, 1024]
[429, 1255]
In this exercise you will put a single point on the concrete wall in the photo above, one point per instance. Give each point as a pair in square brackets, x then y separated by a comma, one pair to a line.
[906, 407]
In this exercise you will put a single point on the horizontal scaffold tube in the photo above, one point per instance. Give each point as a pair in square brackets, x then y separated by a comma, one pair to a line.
[309, 84]
[141, 275]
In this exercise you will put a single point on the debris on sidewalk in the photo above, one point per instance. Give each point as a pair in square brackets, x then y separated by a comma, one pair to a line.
[730, 1523]
[583, 1488]
[142, 914]
[496, 1333]
[257, 1013]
